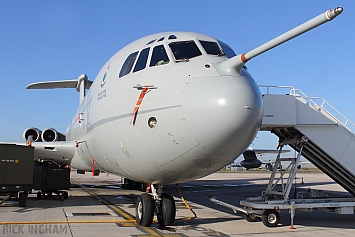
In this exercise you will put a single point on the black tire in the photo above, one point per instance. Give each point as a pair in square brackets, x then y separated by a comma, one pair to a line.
[271, 218]
[251, 218]
[65, 195]
[22, 199]
[39, 195]
[144, 210]
[167, 210]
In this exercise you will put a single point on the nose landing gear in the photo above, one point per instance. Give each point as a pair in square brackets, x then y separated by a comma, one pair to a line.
[162, 204]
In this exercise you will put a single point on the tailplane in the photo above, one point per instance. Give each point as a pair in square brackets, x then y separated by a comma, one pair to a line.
[80, 84]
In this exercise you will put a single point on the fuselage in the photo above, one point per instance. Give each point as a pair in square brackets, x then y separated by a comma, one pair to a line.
[190, 121]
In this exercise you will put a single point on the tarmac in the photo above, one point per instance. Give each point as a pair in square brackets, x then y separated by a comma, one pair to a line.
[97, 206]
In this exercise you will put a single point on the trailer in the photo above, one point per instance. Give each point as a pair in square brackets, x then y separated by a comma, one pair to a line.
[275, 198]
[50, 177]
[16, 169]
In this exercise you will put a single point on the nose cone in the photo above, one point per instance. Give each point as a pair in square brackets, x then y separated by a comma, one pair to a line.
[223, 113]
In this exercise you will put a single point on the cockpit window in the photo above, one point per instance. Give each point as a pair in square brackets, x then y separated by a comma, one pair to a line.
[151, 41]
[184, 50]
[211, 48]
[159, 56]
[227, 50]
[142, 60]
[172, 37]
[128, 64]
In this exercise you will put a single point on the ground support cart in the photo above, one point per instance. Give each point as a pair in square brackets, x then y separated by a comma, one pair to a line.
[16, 167]
[49, 178]
[276, 196]
[256, 208]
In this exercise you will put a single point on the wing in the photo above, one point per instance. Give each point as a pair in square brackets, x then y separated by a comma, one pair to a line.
[59, 151]
[265, 151]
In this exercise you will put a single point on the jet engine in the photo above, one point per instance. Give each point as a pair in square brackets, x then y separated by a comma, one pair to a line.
[250, 161]
[51, 135]
[251, 164]
[34, 132]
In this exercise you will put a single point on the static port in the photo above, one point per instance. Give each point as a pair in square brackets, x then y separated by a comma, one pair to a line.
[152, 122]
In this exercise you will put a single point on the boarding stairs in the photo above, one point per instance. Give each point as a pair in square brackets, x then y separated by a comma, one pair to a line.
[331, 140]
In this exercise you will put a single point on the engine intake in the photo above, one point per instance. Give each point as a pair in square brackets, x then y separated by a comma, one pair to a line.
[51, 135]
[34, 132]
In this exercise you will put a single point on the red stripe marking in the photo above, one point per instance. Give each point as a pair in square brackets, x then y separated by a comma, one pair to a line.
[139, 102]
[243, 58]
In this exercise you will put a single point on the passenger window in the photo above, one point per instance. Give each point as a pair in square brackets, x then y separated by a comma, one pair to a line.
[159, 56]
[227, 50]
[211, 48]
[128, 64]
[142, 60]
[185, 50]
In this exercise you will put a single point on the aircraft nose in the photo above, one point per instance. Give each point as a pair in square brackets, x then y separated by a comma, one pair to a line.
[222, 113]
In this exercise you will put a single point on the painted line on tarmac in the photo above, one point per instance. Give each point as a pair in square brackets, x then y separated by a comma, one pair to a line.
[63, 222]
[121, 212]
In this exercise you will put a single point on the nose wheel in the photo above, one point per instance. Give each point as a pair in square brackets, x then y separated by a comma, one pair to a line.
[163, 205]
[144, 210]
[166, 211]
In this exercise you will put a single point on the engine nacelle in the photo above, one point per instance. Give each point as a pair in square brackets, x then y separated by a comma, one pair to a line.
[251, 164]
[51, 135]
[34, 132]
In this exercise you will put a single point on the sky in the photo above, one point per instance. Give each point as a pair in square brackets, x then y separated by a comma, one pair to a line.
[58, 40]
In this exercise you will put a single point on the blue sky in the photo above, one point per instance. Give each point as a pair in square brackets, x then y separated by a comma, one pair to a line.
[54, 40]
